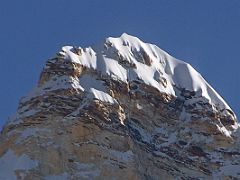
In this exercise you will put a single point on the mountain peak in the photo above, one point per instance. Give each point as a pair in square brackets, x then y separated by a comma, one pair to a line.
[126, 35]
[121, 108]
[127, 58]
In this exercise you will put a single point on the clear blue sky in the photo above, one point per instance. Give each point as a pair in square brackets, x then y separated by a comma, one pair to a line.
[203, 33]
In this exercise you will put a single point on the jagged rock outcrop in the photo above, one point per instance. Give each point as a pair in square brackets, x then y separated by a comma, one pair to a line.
[122, 109]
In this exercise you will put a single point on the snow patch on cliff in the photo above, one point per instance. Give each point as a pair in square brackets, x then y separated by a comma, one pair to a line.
[95, 88]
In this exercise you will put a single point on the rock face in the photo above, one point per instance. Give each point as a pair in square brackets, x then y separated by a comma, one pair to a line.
[122, 109]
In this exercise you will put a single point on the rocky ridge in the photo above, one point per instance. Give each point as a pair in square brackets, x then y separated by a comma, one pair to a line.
[120, 109]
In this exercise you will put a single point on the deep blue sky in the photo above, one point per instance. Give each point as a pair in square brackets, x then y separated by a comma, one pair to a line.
[203, 33]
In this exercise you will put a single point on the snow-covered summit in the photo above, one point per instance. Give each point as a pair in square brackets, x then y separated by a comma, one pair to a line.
[127, 58]
[121, 108]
